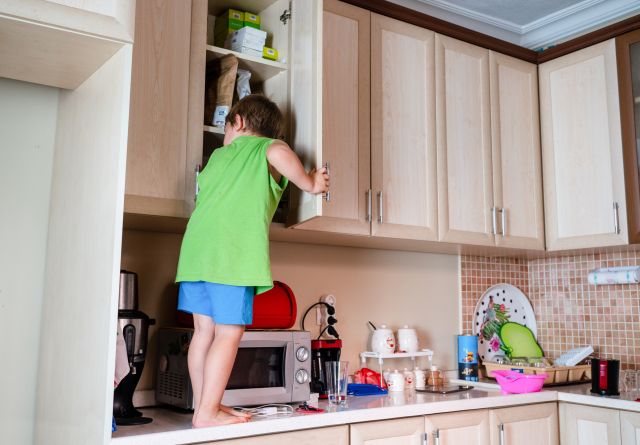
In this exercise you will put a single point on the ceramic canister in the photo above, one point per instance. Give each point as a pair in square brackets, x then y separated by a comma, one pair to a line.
[383, 340]
[409, 381]
[468, 357]
[407, 339]
[396, 381]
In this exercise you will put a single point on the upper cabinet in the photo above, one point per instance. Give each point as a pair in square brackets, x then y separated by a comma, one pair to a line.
[515, 141]
[584, 188]
[403, 136]
[628, 57]
[489, 175]
[157, 153]
[463, 111]
[61, 43]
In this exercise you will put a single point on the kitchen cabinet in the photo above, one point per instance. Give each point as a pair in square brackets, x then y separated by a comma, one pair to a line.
[630, 428]
[628, 59]
[525, 425]
[157, 168]
[489, 174]
[465, 191]
[407, 431]
[344, 116]
[470, 427]
[587, 425]
[383, 180]
[338, 435]
[61, 43]
[516, 160]
[403, 140]
[584, 190]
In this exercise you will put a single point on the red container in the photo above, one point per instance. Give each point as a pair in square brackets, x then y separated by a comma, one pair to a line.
[275, 309]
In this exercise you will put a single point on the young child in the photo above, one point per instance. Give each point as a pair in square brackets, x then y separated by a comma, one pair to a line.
[224, 259]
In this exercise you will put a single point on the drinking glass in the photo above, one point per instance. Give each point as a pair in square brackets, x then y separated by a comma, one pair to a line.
[337, 379]
[630, 381]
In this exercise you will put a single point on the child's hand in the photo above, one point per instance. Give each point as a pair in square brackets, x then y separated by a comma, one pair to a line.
[320, 180]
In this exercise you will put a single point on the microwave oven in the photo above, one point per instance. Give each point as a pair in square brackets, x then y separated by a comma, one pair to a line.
[271, 367]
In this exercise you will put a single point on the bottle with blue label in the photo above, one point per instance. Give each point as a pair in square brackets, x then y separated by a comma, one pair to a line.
[468, 358]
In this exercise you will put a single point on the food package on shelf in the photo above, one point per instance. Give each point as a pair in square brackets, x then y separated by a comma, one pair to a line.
[251, 20]
[220, 82]
[270, 53]
[229, 21]
[246, 37]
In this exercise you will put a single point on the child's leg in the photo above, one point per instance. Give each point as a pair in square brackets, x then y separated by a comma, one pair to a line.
[217, 369]
[204, 329]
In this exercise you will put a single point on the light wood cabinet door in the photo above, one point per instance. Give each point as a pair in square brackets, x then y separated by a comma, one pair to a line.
[403, 140]
[467, 427]
[582, 150]
[630, 428]
[157, 152]
[345, 120]
[465, 190]
[525, 425]
[515, 139]
[407, 431]
[338, 435]
[587, 425]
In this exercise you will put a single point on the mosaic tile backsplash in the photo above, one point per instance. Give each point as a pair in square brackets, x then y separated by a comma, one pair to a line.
[569, 311]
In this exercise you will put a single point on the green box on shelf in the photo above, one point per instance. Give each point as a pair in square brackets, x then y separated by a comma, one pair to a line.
[231, 20]
[252, 20]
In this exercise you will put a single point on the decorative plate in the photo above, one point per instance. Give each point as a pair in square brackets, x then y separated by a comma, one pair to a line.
[499, 304]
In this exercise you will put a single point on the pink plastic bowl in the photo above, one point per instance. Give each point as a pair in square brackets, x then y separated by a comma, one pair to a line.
[513, 382]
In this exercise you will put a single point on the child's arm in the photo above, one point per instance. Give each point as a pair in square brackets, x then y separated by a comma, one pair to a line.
[286, 162]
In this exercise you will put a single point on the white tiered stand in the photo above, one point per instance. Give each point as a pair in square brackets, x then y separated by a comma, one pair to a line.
[393, 355]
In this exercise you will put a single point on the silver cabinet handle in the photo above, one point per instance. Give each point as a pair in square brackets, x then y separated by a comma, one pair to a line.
[503, 229]
[501, 434]
[327, 196]
[380, 209]
[197, 189]
[425, 439]
[616, 220]
[369, 205]
[436, 437]
[494, 221]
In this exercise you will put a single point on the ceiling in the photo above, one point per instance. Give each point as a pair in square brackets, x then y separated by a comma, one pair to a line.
[530, 23]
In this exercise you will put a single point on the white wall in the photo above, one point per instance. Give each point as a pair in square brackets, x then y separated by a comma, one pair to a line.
[383, 286]
[28, 115]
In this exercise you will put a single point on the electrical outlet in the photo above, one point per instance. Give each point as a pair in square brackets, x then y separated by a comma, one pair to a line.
[324, 318]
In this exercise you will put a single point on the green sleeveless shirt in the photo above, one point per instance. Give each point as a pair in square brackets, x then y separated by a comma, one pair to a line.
[227, 238]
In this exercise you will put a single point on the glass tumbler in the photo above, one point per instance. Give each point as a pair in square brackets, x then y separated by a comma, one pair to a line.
[337, 379]
[630, 381]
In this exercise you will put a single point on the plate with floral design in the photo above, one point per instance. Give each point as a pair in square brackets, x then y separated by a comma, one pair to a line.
[500, 304]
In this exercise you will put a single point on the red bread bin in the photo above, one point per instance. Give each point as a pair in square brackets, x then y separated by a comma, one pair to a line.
[275, 309]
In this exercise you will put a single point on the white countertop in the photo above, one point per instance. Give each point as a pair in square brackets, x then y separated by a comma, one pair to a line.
[174, 427]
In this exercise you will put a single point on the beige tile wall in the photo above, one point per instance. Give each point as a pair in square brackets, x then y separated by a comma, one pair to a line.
[569, 311]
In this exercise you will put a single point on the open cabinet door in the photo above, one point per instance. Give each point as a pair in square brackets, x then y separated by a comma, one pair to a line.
[342, 115]
[79, 310]
[306, 101]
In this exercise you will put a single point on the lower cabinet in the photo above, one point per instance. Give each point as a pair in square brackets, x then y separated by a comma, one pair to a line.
[408, 431]
[587, 425]
[630, 428]
[519, 425]
[467, 427]
[525, 425]
[337, 435]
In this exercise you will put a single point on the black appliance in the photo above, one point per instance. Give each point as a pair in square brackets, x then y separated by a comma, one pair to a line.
[322, 351]
[604, 377]
[134, 326]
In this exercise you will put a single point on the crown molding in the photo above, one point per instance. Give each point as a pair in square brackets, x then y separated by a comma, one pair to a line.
[476, 16]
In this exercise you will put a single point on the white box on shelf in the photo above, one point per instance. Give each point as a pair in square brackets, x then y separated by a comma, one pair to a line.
[249, 33]
[248, 51]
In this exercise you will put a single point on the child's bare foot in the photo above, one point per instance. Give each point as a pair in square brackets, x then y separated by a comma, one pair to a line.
[221, 418]
[233, 412]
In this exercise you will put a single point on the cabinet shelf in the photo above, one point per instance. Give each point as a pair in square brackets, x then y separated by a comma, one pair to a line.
[214, 130]
[261, 69]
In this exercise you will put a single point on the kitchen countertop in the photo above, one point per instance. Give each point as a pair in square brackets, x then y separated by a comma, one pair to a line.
[174, 427]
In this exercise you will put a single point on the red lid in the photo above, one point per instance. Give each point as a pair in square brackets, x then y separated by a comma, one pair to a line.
[322, 344]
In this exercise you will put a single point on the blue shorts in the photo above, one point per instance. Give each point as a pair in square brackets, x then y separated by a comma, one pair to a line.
[225, 304]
